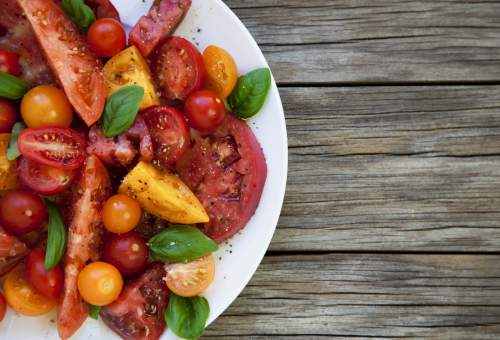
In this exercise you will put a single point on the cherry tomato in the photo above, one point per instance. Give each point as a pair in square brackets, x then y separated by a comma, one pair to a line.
[191, 278]
[43, 179]
[48, 283]
[169, 133]
[46, 105]
[8, 115]
[222, 73]
[100, 283]
[9, 63]
[106, 37]
[127, 252]
[23, 298]
[204, 110]
[21, 211]
[121, 214]
[178, 68]
[53, 146]
[3, 307]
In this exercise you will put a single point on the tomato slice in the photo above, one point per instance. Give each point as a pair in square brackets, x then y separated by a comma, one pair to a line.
[43, 179]
[78, 70]
[169, 133]
[178, 68]
[191, 278]
[53, 146]
[10, 246]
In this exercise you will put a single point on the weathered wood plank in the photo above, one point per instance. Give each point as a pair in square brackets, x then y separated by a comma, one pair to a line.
[368, 295]
[392, 168]
[362, 40]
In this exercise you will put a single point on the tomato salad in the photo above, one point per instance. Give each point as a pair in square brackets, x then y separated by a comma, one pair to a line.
[123, 165]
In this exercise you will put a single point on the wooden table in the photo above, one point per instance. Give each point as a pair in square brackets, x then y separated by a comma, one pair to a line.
[391, 221]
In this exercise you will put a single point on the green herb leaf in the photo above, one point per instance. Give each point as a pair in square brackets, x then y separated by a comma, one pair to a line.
[250, 93]
[94, 311]
[180, 243]
[81, 14]
[187, 317]
[56, 240]
[121, 110]
[12, 87]
[13, 151]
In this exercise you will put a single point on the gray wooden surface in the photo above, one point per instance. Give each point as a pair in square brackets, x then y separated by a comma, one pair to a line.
[391, 221]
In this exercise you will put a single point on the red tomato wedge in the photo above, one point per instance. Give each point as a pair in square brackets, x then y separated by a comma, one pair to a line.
[12, 251]
[57, 147]
[84, 239]
[162, 19]
[138, 312]
[226, 171]
[78, 70]
[178, 68]
[103, 9]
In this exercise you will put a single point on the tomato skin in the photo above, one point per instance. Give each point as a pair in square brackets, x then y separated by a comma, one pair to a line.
[222, 73]
[46, 283]
[100, 283]
[191, 278]
[106, 37]
[127, 252]
[53, 146]
[43, 179]
[21, 211]
[204, 110]
[178, 68]
[46, 105]
[8, 115]
[169, 133]
[3, 307]
[9, 63]
[121, 214]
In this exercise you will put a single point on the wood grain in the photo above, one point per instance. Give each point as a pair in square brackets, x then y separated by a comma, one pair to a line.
[385, 41]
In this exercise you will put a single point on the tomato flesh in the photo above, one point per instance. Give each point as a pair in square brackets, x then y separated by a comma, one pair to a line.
[8, 115]
[53, 146]
[48, 283]
[106, 37]
[21, 211]
[9, 62]
[43, 179]
[127, 252]
[222, 72]
[191, 278]
[204, 110]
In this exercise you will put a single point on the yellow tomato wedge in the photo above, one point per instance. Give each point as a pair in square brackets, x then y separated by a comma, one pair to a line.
[191, 278]
[163, 194]
[221, 69]
[8, 178]
[129, 68]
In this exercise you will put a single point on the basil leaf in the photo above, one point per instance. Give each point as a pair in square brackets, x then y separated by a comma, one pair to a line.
[13, 152]
[12, 87]
[94, 311]
[180, 243]
[187, 317]
[56, 240]
[250, 93]
[81, 14]
[121, 110]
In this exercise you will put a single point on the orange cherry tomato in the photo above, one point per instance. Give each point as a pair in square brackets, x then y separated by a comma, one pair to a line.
[45, 106]
[191, 278]
[222, 73]
[23, 298]
[100, 283]
[121, 214]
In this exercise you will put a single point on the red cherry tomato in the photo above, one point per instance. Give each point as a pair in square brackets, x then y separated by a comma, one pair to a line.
[8, 115]
[127, 252]
[169, 133]
[3, 307]
[9, 63]
[43, 179]
[21, 211]
[178, 68]
[58, 147]
[204, 110]
[48, 283]
[106, 37]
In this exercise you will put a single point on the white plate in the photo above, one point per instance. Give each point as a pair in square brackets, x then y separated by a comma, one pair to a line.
[208, 22]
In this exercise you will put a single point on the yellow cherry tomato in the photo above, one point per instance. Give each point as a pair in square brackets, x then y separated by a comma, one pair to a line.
[23, 298]
[46, 105]
[121, 214]
[100, 283]
[222, 73]
[191, 278]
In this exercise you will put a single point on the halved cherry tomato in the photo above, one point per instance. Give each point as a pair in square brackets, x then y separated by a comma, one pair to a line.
[23, 298]
[53, 146]
[3, 307]
[178, 68]
[191, 278]
[8, 115]
[21, 211]
[222, 73]
[46, 105]
[204, 110]
[169, 132]
[9, 62]
[106, 37]
[121, 214]
[100, 283]
[43, 179]
[48, 283]
[127, 252]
